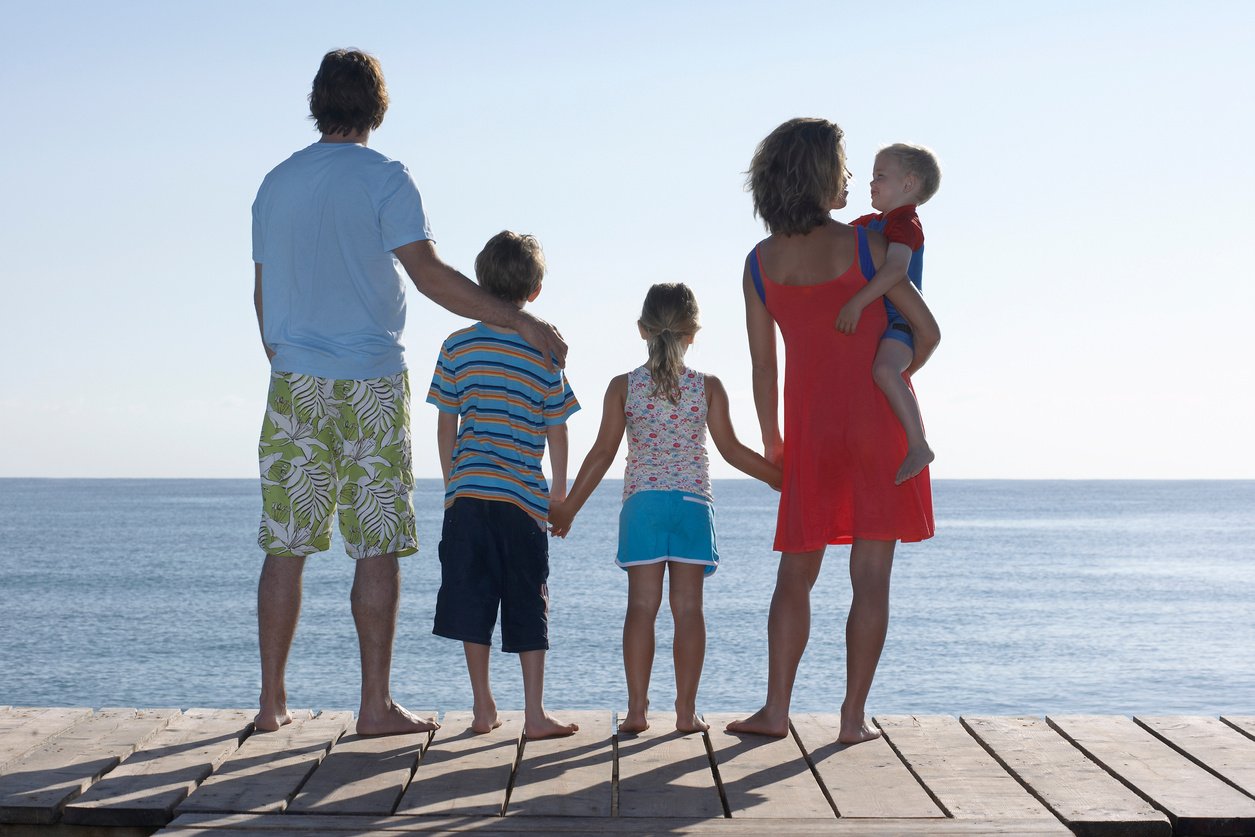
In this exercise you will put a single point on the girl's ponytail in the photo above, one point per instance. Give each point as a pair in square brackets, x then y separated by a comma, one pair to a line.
[670, 320]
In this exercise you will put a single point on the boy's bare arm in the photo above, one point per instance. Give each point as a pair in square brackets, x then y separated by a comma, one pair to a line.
[891, 272]
[924, 329]
[556, 439]
[598, 460]
[446, 439]
[761, 329]
[451, 290]
[719, 422]
[261, 325]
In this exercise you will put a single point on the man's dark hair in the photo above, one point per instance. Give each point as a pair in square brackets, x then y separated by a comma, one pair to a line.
[349, 94]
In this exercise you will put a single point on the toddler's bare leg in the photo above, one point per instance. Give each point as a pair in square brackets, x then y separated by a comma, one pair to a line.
[870, 565]
[644, 598]
[893, 357]
[689, 647]
[537, 723]
[484, 704]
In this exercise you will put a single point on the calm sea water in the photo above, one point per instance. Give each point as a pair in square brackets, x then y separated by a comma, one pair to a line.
[1112, 597]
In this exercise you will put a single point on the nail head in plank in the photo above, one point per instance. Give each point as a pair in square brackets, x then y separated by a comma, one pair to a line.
[269, 767]
[1079, 792]
[37, 786]
[1196, 801]
[666, 773]
[465, 773]
[864, 780]
[961, 776]
[764, 777]
[567, 777]
[144, 789]
[25, 728]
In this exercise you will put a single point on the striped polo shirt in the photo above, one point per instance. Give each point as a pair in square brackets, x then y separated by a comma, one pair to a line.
[507, 399]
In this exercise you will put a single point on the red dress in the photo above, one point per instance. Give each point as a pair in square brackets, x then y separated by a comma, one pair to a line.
[842, 442]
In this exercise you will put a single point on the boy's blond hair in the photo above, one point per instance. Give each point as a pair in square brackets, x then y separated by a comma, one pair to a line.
[919, 161]
[796, 174]
[511, 266]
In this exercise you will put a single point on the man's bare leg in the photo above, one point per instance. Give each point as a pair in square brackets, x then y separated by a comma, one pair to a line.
[537, 723]
[278, 610]
[375, 597]
[484, 705]
[689, 646]
[644, 598]
[870, 565]
[788, 631]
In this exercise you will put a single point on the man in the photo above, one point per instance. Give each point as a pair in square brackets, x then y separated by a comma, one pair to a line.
[331, 224]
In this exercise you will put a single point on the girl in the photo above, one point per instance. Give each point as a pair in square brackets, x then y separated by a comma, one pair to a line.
[841, 442]
[667, 523]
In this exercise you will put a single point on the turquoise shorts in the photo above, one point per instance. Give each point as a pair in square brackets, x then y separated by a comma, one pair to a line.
[657, 526]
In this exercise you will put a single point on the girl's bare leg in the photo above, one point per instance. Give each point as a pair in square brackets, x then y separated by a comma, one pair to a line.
[644, 598]
[484, 705]
[893, 357]
[788, 631]
[870, 565]
[689, 647]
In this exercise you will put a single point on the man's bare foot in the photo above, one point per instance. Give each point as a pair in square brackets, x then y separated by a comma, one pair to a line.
[689, 722]
[917, 459]
[270, 720]
[395, 720]
[485, 721]
[547, 727]
[762, 722]
[634, 722]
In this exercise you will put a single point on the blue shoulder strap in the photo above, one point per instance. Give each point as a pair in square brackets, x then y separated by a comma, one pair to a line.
[757, 275]
[865, 262]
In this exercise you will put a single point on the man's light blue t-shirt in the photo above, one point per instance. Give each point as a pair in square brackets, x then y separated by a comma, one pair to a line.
[325, 223]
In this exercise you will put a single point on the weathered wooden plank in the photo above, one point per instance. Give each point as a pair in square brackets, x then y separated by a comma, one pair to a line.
[1079, 792]
[269, 767]
[567, 777]
[867, 780]
[144, 790]
[665, 773]
[1244, 724]
[1195, 800]
[764, 777]
[964, 779]
[304, 825]
[1212, 743]
[464, 773]
[23, 729]
[36, 787]
[362, 774]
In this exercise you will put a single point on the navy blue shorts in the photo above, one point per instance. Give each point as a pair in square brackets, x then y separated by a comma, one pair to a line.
[493, 556]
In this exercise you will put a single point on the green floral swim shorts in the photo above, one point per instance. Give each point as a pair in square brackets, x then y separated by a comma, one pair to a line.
[332, 447]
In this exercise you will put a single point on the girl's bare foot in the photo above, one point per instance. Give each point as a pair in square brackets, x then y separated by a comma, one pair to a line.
[547, 727]
[634, 722]
[394, 720]
[917, 459]
[689, 722]
[762, 722]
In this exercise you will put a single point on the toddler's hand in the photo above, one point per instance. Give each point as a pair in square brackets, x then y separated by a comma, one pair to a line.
[847, 317]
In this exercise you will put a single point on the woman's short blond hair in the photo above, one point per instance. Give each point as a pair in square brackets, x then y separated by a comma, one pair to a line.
[919, 161]
[796, 174]
[511, 266]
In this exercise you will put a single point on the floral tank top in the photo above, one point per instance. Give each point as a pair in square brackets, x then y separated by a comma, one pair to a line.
[666, 442]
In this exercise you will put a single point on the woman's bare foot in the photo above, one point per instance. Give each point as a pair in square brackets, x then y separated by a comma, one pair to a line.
[547, 727]
[395, 720]
[689, 722]
[857, 730]
[917, 459]
[762, 722]
[635, 721]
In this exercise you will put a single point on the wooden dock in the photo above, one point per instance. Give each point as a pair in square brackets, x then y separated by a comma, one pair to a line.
[203, 772]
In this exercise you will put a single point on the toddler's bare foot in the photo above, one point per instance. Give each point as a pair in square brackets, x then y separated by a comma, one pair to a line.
[689, 722]
[393, 720]
[547, 727]
[485, 719]
[856, 730]
[762, 722]
[634, 722]
[917, 459]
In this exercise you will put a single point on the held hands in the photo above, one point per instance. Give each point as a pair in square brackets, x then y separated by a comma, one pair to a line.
[847, 317]
[560, 519]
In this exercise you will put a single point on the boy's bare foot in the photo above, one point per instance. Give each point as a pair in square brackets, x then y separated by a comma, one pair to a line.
[485, 721]
[762, 722]
[917, 459]
[634, 722]
[395, 720]
[857, 731]
[271, 720]
[689, 722]
[547, 727]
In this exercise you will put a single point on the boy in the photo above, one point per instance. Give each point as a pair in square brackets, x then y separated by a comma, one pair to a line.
[494, 551]
[903, 177]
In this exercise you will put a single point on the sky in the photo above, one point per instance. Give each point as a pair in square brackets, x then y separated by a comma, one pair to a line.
[1088, 252]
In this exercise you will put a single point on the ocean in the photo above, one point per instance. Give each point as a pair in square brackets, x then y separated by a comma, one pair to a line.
[1034, 597]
